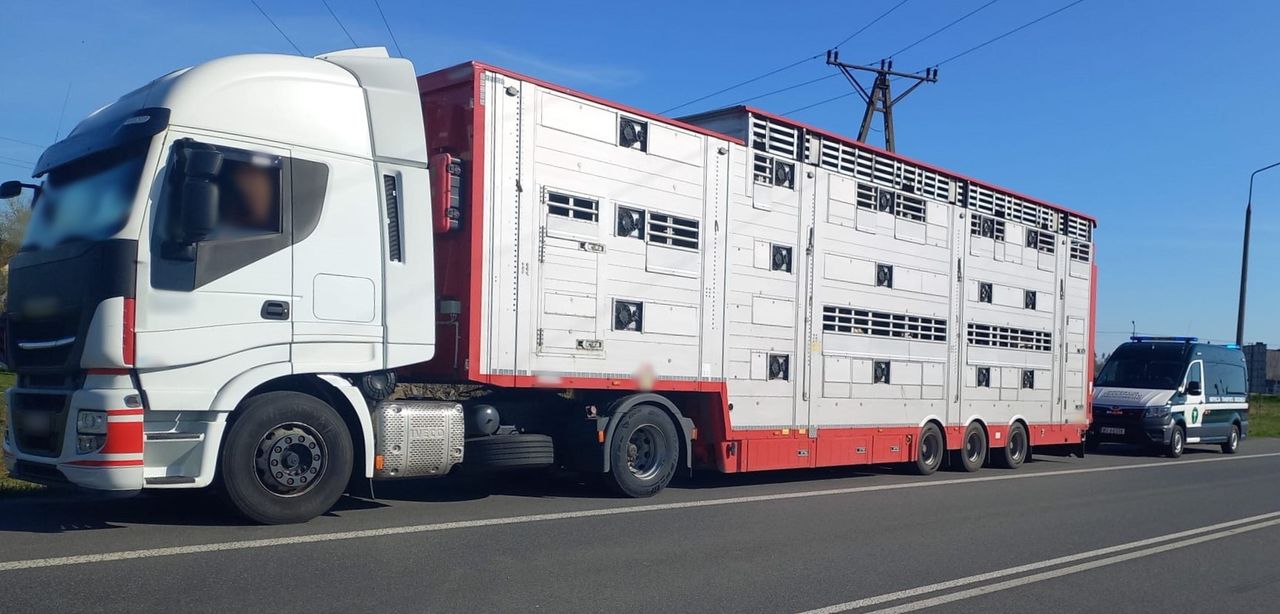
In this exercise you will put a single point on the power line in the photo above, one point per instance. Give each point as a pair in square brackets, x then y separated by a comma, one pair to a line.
[25, 167]
[818, 104]
[388, 25]
[945, 28]
[788, 66]
[1013, 31]
[339, 22]
[956, 56]
[872, 23]
[29, 163]
[785, 89]
[273, 24]
[20, 142]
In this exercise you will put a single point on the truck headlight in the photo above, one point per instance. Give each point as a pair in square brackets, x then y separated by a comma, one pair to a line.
[86, 444]
[1158, 411]
[91, 422]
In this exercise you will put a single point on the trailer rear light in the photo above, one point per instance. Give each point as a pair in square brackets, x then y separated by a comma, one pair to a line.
[379, 462]
[446, 192]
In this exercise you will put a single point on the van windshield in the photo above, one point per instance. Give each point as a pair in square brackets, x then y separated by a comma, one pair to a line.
[1157, 366]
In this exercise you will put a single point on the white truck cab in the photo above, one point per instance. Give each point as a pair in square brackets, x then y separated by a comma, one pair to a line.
[181, 256]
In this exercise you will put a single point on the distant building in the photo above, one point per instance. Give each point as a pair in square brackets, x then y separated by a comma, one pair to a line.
[1264, 368]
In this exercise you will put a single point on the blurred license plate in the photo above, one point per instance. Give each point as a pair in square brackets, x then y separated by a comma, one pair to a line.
[1111, 430]
[38, 424]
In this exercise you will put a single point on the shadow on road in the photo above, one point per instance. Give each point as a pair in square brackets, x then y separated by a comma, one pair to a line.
[68, 511]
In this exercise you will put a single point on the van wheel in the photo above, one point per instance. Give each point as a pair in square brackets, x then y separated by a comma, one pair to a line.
[287, 458]
[1015, 449]
[644, 452]
[1177, 441]
[973, 449]
[930, 450]
[1232, 444]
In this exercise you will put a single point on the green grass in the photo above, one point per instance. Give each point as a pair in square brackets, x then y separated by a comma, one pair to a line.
[9, 486]
[1264, 415]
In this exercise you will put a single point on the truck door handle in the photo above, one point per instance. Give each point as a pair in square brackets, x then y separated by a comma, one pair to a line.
[275, 310]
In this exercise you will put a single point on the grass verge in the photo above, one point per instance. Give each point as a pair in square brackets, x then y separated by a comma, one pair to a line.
[1264, 415]
[9, 486]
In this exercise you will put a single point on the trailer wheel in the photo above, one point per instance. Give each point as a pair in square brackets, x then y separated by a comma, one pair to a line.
[287, 458]
[1177, 441]
[930, 450]
[512, 451]
[644, 452]
[1015, 450]
[973, 449]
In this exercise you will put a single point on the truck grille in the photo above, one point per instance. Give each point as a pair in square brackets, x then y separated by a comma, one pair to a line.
[39, 422]
[37, 331]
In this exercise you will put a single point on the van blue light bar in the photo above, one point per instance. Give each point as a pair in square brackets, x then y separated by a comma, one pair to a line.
[1232, 346]
[1150, 338]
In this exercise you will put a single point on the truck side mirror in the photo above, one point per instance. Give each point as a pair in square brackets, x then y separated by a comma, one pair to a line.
[1194, 389]
[10, 189]
[200, 194]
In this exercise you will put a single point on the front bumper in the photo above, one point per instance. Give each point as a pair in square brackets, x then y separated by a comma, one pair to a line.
[50, 456]
[1133, 427]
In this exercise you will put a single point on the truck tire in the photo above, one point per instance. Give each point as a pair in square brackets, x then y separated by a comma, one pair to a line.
[1177, 441]
[973, 449]
[1232, 444]
[930, 450]
[286, 459]
[511, 451]
[1016, 448]
[643, 453]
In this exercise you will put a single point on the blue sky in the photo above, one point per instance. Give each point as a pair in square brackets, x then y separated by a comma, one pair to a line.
[1147, 114]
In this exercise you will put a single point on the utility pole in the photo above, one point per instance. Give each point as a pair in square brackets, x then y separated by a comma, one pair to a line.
[879, 98]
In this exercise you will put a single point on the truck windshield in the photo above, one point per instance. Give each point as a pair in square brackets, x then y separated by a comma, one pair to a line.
[86, 200]
[1159, 366]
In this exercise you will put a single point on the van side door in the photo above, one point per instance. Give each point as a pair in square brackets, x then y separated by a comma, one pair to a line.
[1193, 404]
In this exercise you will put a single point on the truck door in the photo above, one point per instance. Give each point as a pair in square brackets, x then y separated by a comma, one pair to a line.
[222, 304]
[569, 262]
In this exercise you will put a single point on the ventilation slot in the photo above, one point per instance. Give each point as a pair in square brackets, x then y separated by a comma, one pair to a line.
[781, 258]
[630, 223]
[984, 377]
[633, 134]
[763, 169]
[779, 366]
[1041, 240]
[854, 321]
[673, 231]
[775, 138]
[1081, 251]
[628, 315]
[392, 194]
[1010, 338]
[573, 207]
[984, 226]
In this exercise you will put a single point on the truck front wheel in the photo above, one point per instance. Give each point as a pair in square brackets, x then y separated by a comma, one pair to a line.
[287, 458]
[644, 452]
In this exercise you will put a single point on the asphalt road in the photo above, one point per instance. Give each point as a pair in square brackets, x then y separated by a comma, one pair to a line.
[1115, 532]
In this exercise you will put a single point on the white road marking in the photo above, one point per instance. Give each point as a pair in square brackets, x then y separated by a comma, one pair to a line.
[1074, 569]
[614, 511]
[1062, 560]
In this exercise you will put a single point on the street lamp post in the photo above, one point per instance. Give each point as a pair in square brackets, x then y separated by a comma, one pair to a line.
[1244, 258]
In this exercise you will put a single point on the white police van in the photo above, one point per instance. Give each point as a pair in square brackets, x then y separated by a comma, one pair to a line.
[1167, 392]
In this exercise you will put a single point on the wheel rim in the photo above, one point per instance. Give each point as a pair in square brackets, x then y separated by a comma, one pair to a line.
[291, 459]
[973, 446]
[1177, 441]
[646, 451]
[931, 449]
[1017, 445]
[1235, 437]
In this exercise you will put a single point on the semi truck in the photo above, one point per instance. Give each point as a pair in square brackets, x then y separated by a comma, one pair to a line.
[230, 271]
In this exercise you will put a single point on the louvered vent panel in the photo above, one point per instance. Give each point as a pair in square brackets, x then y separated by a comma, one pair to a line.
[775, 138]
[854, 321]
[673, 231]
[1010, 338]
[1081, 251]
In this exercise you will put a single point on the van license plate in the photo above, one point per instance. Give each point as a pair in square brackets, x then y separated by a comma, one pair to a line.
[1111, 430]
